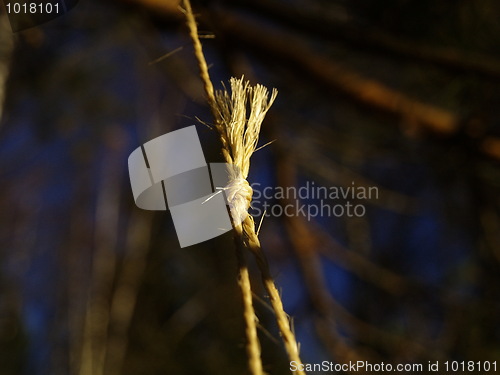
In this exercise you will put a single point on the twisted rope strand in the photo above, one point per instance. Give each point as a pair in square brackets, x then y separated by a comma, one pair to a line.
[239, 135]
[252, 346]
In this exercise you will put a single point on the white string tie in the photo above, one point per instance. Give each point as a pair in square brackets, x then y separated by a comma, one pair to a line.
[239, 196]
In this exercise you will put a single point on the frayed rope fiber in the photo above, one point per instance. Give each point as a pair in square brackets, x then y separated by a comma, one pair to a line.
[239, 115]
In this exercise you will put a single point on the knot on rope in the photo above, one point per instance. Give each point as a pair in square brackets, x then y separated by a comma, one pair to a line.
[239, 196]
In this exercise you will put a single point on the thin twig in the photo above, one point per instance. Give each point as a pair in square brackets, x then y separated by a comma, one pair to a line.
[362, 89]
[97, 317]
[328, 24]
[124, 298]
[165, 56]
[308, 242]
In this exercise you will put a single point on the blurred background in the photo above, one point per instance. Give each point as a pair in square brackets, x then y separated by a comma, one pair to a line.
[402, 95]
